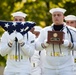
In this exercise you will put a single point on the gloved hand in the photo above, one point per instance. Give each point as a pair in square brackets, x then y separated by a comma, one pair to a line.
[12, 37]
[66, 43]
[45, 43]
[19, 37]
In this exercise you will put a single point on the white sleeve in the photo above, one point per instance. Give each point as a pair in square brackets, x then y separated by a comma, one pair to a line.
[29, 47]
[72, 32]
[4, 48]
[74, 39]
[40, 40]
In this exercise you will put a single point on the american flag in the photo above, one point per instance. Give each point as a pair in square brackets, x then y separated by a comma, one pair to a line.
[22, 27]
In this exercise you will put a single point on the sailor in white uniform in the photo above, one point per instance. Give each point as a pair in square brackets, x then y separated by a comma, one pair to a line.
[17, 64]
[58, 60]
[38, 57]
[71, 21]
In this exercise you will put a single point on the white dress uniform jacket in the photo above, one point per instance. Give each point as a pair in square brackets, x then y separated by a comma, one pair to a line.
[26, 51]
[62, 63]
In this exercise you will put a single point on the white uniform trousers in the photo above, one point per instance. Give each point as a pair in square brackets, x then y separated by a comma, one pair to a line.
[15, 73]
[63, 71]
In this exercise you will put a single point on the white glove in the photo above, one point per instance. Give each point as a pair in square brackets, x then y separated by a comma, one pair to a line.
[45, 43]
[19, 37]
[66, 43]
[12, 37]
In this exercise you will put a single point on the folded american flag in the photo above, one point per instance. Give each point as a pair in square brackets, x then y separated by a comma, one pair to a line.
[22, 27]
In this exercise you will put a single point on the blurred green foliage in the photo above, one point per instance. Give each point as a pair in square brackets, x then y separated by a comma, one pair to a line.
[37, 10]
